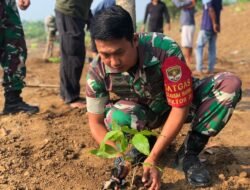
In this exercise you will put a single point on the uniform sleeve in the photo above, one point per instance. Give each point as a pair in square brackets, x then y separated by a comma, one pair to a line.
[177, 82]
[96, 94]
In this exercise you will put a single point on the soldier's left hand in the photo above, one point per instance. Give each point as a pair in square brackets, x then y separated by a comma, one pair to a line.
[151, 176]
[23, 4]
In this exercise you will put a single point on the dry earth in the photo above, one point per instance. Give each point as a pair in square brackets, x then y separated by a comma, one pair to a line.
[50, 150]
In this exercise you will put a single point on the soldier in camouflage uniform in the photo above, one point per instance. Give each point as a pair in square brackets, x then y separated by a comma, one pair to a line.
[50, 28]
[154, 86]
[13, 54]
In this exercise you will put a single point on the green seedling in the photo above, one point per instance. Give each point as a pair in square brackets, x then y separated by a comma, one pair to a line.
[124, 138]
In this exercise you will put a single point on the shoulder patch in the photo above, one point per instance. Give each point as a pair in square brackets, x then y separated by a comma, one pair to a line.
[174, 73]
[177, 82]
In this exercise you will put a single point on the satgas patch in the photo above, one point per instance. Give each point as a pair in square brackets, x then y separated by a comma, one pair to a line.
[174, 73]
[177, 82]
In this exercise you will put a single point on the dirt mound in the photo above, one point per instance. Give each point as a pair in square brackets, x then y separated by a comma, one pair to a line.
[50, 150]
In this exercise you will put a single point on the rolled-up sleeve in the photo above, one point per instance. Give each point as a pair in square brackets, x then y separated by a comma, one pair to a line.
[96, 105]
[96, 94]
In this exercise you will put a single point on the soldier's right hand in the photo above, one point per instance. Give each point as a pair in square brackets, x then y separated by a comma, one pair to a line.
[151, 175]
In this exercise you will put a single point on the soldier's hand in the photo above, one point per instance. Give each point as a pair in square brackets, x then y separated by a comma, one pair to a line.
[151, 176]
[23, 4]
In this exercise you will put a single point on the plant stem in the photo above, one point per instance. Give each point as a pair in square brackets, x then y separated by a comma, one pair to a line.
[133, 176]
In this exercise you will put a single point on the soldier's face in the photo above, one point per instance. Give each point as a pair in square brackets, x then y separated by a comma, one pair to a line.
[119, 54]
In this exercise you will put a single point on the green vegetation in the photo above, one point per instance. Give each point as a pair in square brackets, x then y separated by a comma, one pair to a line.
[34, 30]
[54, 60]
[243, 1]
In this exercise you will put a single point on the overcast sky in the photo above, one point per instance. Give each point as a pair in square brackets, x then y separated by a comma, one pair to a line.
[39, 9]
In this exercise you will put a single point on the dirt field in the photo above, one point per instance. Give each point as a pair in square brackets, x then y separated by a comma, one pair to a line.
[50, 150]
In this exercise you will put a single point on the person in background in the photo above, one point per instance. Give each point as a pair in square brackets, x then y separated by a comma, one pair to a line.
[104, 4]
[71, 18]
[210, 27]
[154, 88]
[187, 21]
[13, 54]
[158, 12]
[50, 28]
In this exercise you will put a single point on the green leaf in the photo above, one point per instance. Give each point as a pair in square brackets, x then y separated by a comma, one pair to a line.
[120, 141]
[110, 150]
[102, 154]
[94, 151]
[148, 133]
[105, 151]
[114, 135]
[141, 143]
[124, 144]
[118, 138]
[128, 130]
[115, 126]
[102, 146]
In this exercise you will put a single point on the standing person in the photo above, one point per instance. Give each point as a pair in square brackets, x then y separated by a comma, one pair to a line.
[104, 4]
[50, 28]
[210, 27]
[71, 18]
[157, 10]
[187, 22]
[154, 87]
[13, 54]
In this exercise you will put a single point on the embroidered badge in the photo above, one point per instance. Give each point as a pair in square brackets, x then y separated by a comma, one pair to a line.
[174, 73]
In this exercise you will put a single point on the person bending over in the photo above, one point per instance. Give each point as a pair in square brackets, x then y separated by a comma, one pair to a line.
[154, 86]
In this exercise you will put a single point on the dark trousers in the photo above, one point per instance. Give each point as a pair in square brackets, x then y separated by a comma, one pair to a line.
[71, 35]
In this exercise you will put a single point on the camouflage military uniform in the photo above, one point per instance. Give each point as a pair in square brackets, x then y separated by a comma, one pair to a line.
[51, 29]
[13, 52]
[159, 81]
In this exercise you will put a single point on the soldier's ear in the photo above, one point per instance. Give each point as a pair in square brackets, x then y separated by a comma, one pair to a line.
[136, 39]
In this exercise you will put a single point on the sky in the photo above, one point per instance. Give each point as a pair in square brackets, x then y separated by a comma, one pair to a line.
[39, 9]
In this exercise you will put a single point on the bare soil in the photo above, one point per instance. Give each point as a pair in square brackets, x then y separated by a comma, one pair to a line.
[50, 150]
